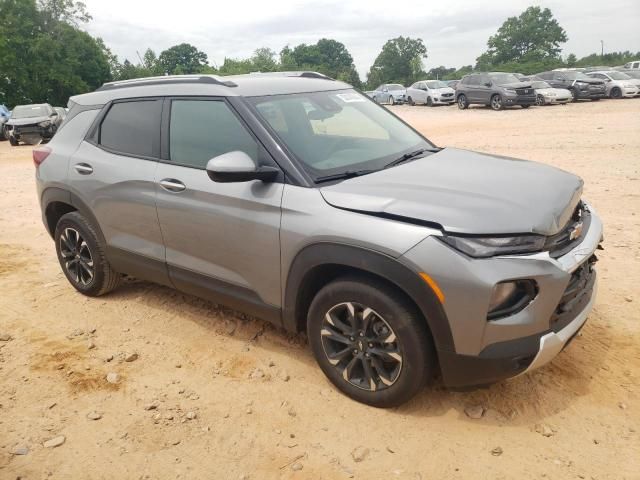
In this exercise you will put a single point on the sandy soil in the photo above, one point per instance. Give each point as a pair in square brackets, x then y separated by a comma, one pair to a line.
[213, 394]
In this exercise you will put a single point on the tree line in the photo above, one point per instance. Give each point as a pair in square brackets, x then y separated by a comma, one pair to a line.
[46, 57]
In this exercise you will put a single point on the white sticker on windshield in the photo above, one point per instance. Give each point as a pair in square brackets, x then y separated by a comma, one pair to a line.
[350, 97]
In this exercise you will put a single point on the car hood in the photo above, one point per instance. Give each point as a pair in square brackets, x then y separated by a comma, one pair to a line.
[27, 121]
[562, 92]
[443, 90]
[465, 192]
[516, 85]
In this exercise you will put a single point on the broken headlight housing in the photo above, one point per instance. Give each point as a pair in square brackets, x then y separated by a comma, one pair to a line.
[491, 246]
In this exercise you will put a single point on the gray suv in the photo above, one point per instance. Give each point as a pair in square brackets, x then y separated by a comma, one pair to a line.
[497, 90]
[299, 200]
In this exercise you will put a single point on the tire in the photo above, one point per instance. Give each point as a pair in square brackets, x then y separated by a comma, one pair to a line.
[375, 99]
[496, 102]
[616, 93]
[574, 94]
[429, 102]
[539, 100]
[596, 99]
[462, 101]
[525, 106]
[410, 101]
[398, 369]
[392, 101]
[13, 141]
[82, 256]
[3, 135]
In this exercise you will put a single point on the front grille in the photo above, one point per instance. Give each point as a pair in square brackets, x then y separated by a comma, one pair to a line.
[447, 94]
[576, 296]
[524, 91]
[571, 235]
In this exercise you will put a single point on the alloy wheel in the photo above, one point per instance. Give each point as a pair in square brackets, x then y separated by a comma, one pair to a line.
[496, 102]
[361, 346]
[539, 100]
[77, 257]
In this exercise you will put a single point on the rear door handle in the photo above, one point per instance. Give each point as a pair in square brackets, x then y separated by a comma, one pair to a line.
[172, 185]
[83, 168]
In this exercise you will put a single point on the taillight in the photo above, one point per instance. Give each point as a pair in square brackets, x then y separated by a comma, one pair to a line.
[40, 154]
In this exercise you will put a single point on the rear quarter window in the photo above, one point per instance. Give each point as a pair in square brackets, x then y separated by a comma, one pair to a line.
[132, 128]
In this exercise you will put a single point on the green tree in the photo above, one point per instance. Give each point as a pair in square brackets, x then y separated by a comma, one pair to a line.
[440, 72]
[534, 35]
[183, 59]
[571, 60]
[263, 60]
[400, 61]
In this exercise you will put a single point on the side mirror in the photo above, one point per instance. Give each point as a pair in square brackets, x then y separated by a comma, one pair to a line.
[488, 84]
[385, 90]
[237, 166]
[54, 114]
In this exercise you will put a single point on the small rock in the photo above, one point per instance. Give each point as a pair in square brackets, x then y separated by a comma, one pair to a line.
[54, 442]
[113, 377]
[496, 452]
[151, 406]
[249, 410]
[622, 406]
[175, 441]
[178, 365]
[108, 358]
[390, 450]
[20, 450]
[256, 374]
[475, 411]
[191, 415]
[90, 345]
[544, 430]
[272, 363]
[284, 376]
[5, 337]
[359, 454]
[292, 412]
[296, 467]
[628, 299]
[132, 357]
[94, 416]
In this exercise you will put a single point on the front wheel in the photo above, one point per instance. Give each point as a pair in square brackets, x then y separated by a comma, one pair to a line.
[496, 102]
[539, 100]
[463, 103]
[370, 341]
[429, 102]
[410, 101]
[392, 101]
[82, 256]
[13, 141]
[525, 106]
[574, 95]
[616, 93]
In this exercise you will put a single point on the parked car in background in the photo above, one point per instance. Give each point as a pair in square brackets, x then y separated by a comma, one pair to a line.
[396, 257]
[430, 92]
[4, 116]
[635, 65]
[495, 89]
[452, 83]
[581, 86]
[390, 93]
[618, 84]
[547, 95]
[32, 124]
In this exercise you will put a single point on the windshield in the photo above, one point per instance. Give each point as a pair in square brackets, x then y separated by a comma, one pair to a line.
[395, 86]
[503, 78]
[436, 84]
[339, 131]
[618, 76]
[540, 85]
[28, 111]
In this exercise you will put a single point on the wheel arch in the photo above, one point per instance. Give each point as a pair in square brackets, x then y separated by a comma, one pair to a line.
[318, 264]
[57, 202]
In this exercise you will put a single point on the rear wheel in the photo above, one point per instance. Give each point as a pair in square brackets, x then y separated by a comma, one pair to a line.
[392, 101]
[370, 341]
[463, 103]
[496, 102]
[82, 256]
[574, 95]
[616, 93]
[410, 101]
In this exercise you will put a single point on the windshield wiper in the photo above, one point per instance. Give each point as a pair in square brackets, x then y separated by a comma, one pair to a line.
[410, 155]
[343, 175]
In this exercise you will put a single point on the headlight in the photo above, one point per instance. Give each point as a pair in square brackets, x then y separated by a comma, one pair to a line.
[510, 91]
[550, 95]
[44, 124]
[482, 247]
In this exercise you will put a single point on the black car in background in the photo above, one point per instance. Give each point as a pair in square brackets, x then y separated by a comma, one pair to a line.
[581, 86]
[32, 124]
[495, 89]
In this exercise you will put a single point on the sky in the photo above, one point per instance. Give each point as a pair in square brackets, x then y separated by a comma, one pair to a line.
[454, 31]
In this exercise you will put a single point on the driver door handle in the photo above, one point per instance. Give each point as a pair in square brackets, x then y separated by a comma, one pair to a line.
[172, 185]
[83, 168]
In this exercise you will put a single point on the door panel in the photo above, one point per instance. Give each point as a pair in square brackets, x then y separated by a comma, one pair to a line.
[228, 231]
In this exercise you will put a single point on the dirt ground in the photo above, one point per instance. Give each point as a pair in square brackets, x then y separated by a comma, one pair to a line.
[214, 395]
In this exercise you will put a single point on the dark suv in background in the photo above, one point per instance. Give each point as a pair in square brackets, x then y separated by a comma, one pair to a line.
[581, 86]
[495, 89]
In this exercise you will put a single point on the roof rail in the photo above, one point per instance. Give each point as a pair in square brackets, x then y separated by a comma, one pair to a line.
[167, 80]
[303, 74]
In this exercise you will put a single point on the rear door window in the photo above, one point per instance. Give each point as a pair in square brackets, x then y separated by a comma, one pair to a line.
[132, 128]
[202, 129]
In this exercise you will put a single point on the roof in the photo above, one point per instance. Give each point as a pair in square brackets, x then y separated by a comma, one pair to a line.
[249, 85]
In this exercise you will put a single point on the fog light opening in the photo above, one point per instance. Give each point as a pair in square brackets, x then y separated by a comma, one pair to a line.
[510, 297]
